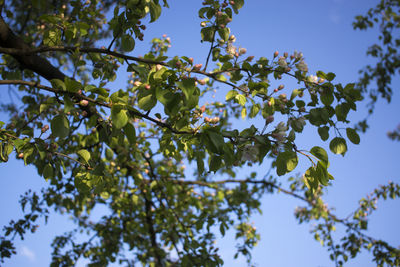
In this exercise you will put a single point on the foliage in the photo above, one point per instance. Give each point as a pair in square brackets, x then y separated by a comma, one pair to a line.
[376, 79]
[127, 149]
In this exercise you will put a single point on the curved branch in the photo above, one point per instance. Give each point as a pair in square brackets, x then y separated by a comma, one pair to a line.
[133, 112]
[40, 65]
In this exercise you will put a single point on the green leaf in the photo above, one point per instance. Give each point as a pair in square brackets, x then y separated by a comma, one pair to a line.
[341, 111]
[130, 133]
[202, 11]
[127, 43]
[52, 37]
[58, 84]
[322, 174]
[215, 163]
[241, 99]
[330, 76]
[295, 93]
[238, 4]
[243, 113]
[323, 132]
[311, 179]
[338, 145]
[320, 154]
[231, 94]
[207, 34]
[109, 154]
[217, 141]
[155, 11]
[5, 151]
[147, 102]
[84, 154]
[254, 110]
[286, 162]
[353, 136]
[72, 85]
[48, 172]
[200, 163]
[327, 98]
[187, 86]
[119, 116]
[224, 33]
[321, 74]
[60, 126]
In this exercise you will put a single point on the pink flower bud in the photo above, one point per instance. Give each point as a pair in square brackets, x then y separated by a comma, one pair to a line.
[45, 128]
[83, 102]
[250, 58]
[276, 53]
[197, 66]
[215, 120]
[147, 87]
[242, 51]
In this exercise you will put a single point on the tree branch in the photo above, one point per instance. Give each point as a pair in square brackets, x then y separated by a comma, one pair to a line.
[8, 40]
[133, 112]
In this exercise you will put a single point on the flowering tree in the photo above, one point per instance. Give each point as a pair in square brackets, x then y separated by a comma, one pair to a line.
[127, 148]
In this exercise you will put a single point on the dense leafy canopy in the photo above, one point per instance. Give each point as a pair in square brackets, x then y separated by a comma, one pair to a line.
[127, 149]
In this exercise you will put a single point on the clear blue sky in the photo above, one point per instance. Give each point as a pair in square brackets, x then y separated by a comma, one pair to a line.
[322, 31]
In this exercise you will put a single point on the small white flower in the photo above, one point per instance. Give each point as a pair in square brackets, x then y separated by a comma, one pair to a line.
[249, 153]
[302, 120]
[312, 78]
[282, 62]
[279, 136]
[302, 66]
[232, 38]
[298, 55]
[231, 49]
[281, 127]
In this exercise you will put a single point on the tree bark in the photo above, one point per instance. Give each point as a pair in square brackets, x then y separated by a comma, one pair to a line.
[34, 63]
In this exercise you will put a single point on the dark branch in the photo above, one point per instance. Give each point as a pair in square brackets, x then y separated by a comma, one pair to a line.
[39, 65]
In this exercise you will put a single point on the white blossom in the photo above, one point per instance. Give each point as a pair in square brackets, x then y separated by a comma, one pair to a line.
[281, 127]
[302, 66]
[282, 62]
[250, 153]
[280, 132]
[312, 78]
[231, 49]
[298, 55]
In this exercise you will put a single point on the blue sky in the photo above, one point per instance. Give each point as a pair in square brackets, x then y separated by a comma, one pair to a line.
[322, 31]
